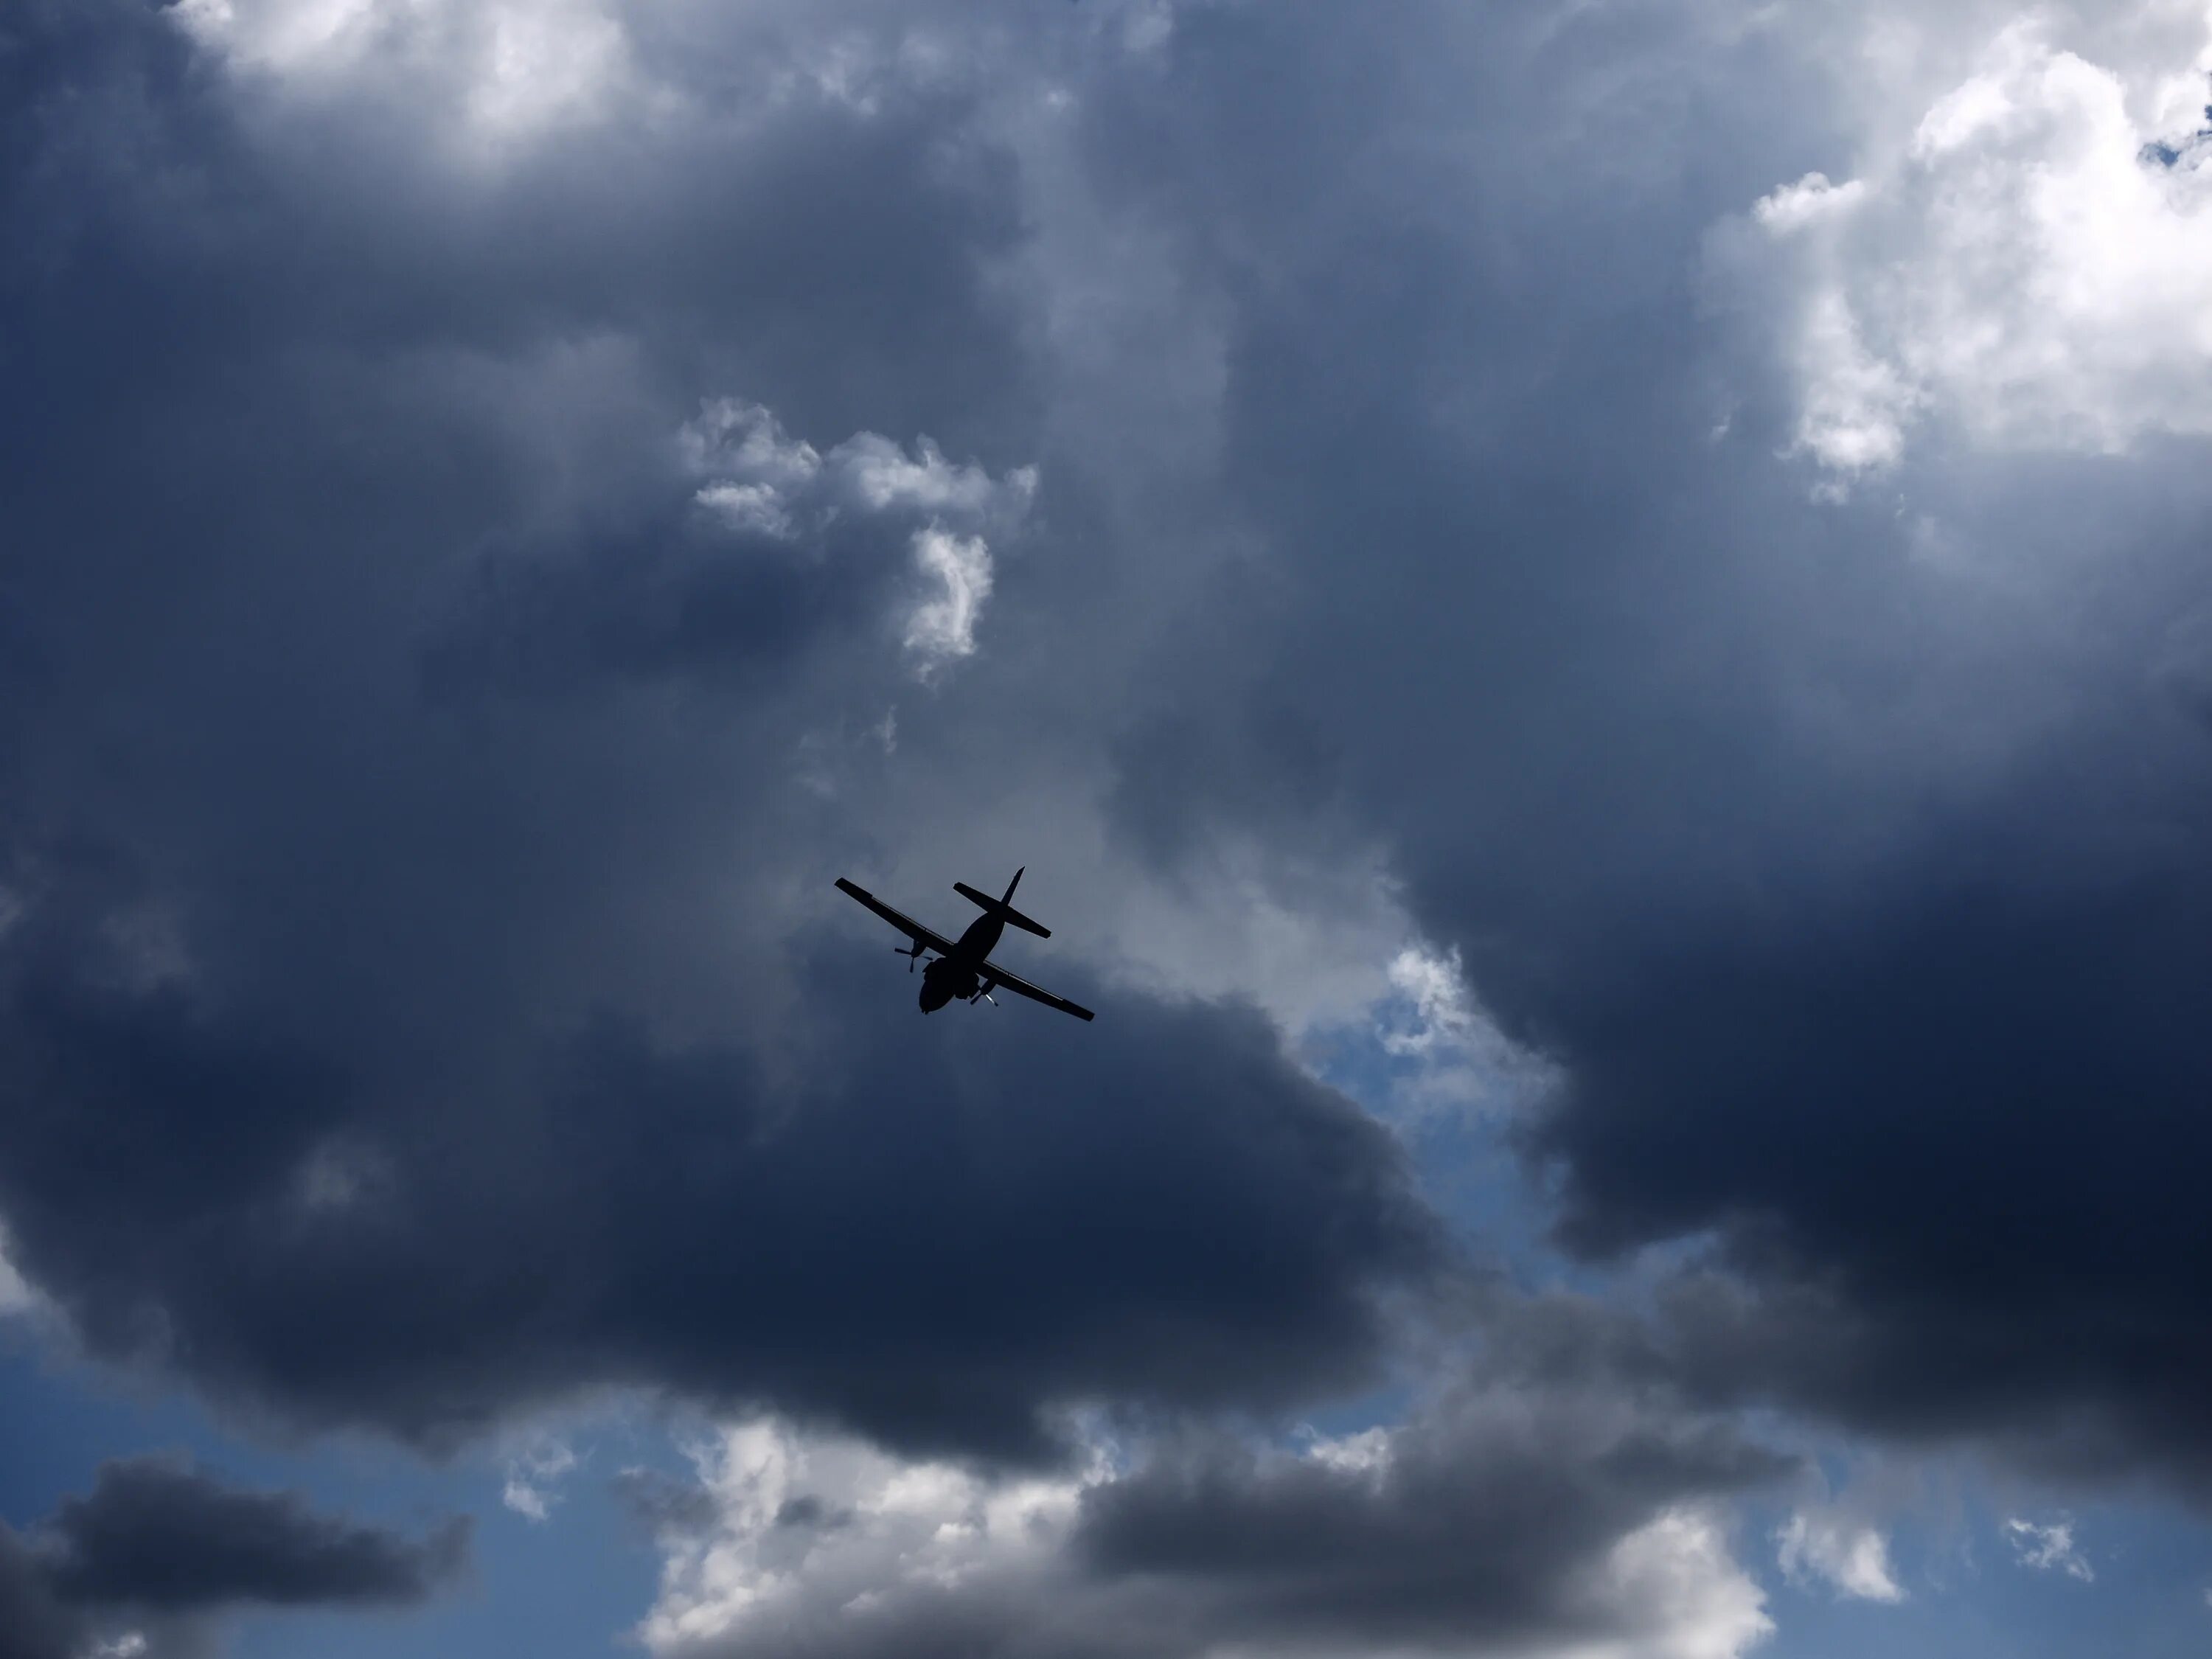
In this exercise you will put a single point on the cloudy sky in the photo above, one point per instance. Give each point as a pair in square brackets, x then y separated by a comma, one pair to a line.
[1593, 618]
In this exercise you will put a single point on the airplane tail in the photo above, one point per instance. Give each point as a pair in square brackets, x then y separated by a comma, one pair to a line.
[1002, 908]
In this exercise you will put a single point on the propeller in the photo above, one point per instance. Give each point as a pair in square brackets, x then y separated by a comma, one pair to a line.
[913, 956]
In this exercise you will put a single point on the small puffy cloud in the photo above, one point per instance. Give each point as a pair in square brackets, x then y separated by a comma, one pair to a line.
[2048, 1546]
[753, 464]
[2030, 262]
[942, 629]
[756, 472]
[752, 507]
[1811, 201]
[1442, 1055]
[1846, 1555]
[531, 1474]
[878, 474]
[813, 1533]
[1436, 985]
[761, 481]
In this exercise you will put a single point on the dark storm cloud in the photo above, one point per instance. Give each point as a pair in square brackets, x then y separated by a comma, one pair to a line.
[165, 1537]
[897, 1233]
[1479, 1529]
[670, 599]
[401, 846]
[156, 1539]
[1863, 897]
[406, 771]
[34, 1625]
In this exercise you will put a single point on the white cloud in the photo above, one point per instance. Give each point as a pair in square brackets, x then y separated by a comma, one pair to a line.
[1437, 987]
[1811, 201]
[1446, 1057]
[877, 472]
[1368, 1452]
[744, 447]
[2048, 1547]
[2020, 262]
[1849, 1556]
[532, 1474]
[1691, 1601]
[813, 1530]
[757, 471]
[760, 480]
[491, 71]
[1856, 404]
[818, 1543]
[754, 507]
[942, 629]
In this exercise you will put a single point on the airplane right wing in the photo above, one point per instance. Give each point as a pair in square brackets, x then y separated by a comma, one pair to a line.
[906, 925]
[996, 976]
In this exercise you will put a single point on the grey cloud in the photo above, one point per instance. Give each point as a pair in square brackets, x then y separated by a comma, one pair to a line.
[1849, 860]
[659, 1503]
[388, 728]
[780, 547]
[158, 1548]
[1492, 1522]
[935, 1252]
[1480, 1530]
[34, 1625]
[161, 1536]
[396, 767]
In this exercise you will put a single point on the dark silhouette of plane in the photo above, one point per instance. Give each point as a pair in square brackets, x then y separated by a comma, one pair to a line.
[965, 971]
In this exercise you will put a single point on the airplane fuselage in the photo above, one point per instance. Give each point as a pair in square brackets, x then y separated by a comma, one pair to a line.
[963, 967]
[958, 974]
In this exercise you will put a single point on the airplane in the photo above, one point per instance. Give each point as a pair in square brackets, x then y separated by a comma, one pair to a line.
[965, 969]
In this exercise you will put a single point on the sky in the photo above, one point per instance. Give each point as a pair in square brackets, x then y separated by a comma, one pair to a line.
[1592, 622]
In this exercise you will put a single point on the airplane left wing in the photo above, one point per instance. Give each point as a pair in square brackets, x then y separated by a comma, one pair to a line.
[906, 925]
[994, 976]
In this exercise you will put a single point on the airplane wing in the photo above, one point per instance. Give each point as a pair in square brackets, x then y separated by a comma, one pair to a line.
[996, 976]
[906, 925]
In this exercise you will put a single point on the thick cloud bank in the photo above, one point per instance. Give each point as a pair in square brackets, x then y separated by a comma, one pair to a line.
[1490, 1525]
[1680, 526]
[403, 831]
[932, 1249]
[1847, 857]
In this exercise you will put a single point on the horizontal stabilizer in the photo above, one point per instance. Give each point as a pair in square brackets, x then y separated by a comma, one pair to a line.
[1000, 909]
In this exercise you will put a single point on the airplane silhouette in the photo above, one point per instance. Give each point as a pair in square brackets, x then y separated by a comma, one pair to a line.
[965, 971]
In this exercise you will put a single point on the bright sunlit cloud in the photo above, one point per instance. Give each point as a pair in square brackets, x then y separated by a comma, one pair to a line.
[2030, 262]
